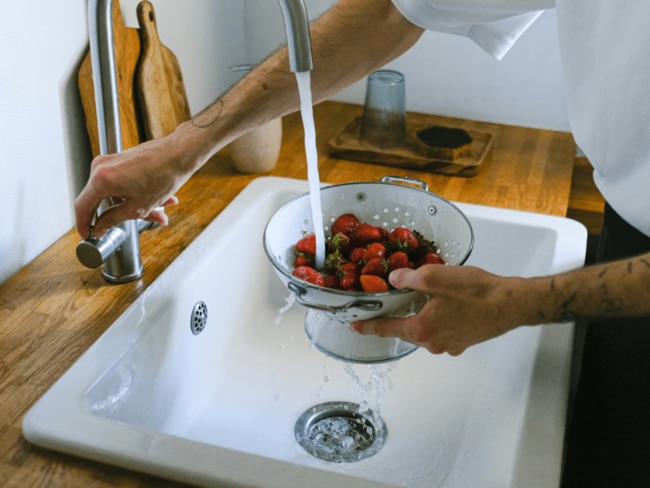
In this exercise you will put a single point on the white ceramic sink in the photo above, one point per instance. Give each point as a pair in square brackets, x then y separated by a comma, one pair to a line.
[219, 408]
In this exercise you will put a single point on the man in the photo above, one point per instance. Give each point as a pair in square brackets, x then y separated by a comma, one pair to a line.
[607, 72]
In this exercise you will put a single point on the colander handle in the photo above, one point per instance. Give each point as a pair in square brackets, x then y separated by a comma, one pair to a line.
[406, 180]
[365, 305]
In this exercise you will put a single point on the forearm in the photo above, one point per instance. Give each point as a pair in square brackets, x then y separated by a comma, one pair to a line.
[608, 290]
[350, 40]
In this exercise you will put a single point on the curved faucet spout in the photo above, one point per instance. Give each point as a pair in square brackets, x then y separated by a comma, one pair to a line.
[296, 24]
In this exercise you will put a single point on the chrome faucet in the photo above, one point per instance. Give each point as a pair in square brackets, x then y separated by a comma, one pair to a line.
[296, 26]
[119, 249]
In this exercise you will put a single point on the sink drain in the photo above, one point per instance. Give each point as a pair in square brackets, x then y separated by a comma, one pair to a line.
[340, 432]
[199, 317]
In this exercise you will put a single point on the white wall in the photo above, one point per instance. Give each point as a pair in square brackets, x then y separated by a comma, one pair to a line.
[44, 150]
[449, 75]
[40, 44]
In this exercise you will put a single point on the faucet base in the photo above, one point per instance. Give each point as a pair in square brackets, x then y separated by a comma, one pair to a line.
[123, 279]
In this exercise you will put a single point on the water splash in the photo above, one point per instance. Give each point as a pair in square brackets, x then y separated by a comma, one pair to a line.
[288, 303]
[374, 387]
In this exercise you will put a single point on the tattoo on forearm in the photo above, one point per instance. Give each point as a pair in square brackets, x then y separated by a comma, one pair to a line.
[206, 118]
[565, 313]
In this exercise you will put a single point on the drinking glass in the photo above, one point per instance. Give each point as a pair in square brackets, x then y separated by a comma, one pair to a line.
[384, 115]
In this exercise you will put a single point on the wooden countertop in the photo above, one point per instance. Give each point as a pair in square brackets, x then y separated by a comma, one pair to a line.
[54, 308]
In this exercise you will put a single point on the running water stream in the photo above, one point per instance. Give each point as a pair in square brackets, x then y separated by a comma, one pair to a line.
[378, 378]
[307, 113]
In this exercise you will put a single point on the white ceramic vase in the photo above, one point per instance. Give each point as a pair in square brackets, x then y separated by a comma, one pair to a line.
[258, 150]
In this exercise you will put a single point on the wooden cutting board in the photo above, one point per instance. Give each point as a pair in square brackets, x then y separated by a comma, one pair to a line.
[127, 54]
[159, 81]
[347, 144]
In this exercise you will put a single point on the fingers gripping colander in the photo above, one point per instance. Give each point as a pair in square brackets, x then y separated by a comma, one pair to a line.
[388, 204]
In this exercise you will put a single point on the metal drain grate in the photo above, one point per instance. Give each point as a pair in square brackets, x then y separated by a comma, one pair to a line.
[340, 432]
[199, 317]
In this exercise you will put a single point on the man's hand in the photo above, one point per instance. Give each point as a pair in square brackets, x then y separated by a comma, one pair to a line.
[467, 305]
[137, 180]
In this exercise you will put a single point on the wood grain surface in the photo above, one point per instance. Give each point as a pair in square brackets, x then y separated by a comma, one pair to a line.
[54, 309]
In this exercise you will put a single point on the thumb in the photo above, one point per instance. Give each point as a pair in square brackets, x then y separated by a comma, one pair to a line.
[401, 278]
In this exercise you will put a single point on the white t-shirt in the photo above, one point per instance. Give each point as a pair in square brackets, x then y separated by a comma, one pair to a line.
[605, 49]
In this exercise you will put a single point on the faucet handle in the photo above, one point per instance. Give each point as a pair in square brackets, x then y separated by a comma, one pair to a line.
[93, 251]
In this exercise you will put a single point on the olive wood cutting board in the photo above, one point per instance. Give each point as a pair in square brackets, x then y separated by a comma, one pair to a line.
[159, 82]
[127, 54]
[414, 154]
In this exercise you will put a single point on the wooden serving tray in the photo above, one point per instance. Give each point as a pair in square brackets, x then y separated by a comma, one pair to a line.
[347, 144]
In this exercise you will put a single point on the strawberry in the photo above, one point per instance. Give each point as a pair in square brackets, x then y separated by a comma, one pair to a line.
[430, 258]
[375, 250]
[339, 241]
[373, 284]
[307, 245]
[345, 224]
[403, 239]
[367, 233]
[375, 266]
[302, 260]
[309, 274]
[349, 281]
[332, 281]
[397, 260]
[350, 266]
[334, 260]
[358, 254]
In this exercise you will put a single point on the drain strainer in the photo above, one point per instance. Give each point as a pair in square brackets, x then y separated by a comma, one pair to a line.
[199, 317]
[340, 432]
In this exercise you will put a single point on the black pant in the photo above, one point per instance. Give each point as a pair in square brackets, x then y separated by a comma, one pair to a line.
[609, 436]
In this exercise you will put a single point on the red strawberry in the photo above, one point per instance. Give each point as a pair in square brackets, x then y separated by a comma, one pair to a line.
[332, 281]
[398, 260]
[309, 274]
[430, 258]
[358, 254]
[302, 260]
[403, 239]
[350, 266]
[349, 281]
[345, 224]
[367, 233]
[375, 266]
[375, 250]
[373, 284]
[307, 244]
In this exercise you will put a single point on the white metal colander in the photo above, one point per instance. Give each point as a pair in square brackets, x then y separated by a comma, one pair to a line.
[388, 203]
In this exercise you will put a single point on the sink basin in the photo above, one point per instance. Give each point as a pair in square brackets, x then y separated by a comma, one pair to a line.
[218, 407]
